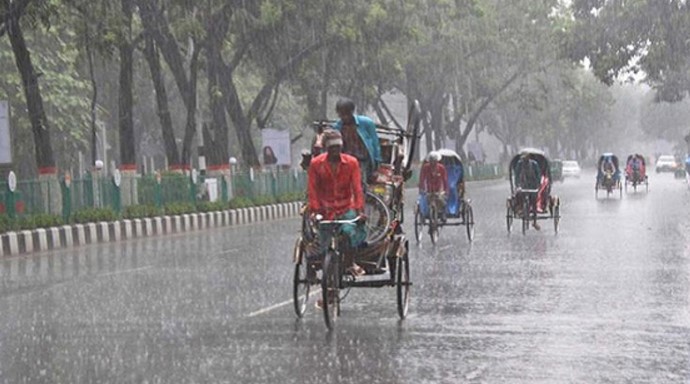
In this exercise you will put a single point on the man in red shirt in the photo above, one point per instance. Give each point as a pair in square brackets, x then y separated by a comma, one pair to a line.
[433, 179]
[335, 191]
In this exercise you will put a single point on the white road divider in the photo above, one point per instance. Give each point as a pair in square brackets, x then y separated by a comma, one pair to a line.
[67, 236]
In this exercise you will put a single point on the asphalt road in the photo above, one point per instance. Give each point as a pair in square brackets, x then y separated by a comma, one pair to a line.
[605, 301]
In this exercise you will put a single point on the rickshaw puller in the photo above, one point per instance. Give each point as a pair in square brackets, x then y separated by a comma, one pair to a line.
[433, 178]
[335, 192]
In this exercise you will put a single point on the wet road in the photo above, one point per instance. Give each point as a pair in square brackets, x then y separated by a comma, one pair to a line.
[605, 301]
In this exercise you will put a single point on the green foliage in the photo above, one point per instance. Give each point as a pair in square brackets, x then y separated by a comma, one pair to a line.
[240, 202]
[29, 222]
[207, 206]
[290, 197]
[173, 209]
[140, 211]
[93, 215]
[263, 200]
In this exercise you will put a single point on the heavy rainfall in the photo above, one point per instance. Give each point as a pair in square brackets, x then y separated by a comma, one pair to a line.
[328, 191]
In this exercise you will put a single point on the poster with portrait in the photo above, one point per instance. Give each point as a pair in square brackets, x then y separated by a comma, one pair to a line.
[5, 138]
[276, 147]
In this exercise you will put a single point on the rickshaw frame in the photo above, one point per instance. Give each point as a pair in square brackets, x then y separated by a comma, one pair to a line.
[522, 202]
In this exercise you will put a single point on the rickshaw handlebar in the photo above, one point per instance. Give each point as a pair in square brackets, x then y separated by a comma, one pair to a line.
[520, 190]
[320, 221]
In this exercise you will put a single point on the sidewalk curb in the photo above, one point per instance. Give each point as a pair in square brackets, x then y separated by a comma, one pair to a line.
[67, 236]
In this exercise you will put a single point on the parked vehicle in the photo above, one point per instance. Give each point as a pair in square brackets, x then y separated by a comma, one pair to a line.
[666, 163]
[571, 169]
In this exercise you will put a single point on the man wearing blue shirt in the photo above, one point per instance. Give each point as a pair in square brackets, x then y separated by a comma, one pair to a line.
[359, 138]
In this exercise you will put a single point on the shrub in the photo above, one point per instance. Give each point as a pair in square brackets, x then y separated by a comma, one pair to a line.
[290, 197]
[140, 211]
[240, 202]
[179, 208]
[93, 215]
[207, 206]
[263, 200]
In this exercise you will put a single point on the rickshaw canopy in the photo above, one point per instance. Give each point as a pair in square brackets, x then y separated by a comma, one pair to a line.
[534, 154]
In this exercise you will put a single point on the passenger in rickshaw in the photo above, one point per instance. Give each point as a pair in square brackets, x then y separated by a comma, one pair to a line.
[335, 192]
[360, 139]
[635, 168]
[528, 177]
[456, 185]
[608, 168]
[433, 181]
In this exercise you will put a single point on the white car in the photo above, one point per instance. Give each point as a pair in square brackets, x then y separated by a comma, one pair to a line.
[571, 169]
[666, 163]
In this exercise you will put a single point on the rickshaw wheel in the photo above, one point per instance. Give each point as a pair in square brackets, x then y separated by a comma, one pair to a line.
[418, 224]
[330, 289]
[301, 287]
[556, 218]
[509, 215]
[433, 224]
[469, 221]
[525, 215]
[378, 218]
[403, 282]
[620, 189]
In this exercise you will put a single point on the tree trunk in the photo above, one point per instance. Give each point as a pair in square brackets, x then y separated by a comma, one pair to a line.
[32, 93]
[94, 102]
[156, 26]
[482, 106]
[216, 138]
[191, 104]
[168, 134]
[125, 99]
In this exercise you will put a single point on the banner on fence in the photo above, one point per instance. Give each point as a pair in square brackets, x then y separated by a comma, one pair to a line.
[276, 147]
[5, 141]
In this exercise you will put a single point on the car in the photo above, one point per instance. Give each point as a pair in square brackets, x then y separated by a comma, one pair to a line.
[666, 163]
[571, 169]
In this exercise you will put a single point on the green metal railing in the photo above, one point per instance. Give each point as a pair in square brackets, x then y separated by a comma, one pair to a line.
[40, 196]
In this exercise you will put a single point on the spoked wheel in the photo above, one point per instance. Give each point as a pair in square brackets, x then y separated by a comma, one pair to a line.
[620, 190]
[378, 218]
[469, 221]
[509, 215]
[418, 224]
[402, 280]
[300, 285]
[433, 224]
[556, 218]
[525, 215]
[330, 289]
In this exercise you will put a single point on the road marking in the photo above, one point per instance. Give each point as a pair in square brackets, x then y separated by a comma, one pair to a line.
[125, 271]
[281, 304]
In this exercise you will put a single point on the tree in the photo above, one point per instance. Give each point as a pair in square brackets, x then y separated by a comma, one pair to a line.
[632, 37]
[11, 15]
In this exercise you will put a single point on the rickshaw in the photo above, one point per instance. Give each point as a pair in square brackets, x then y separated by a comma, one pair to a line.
[384, 256]
[636, 172]
[458, 208]
[608, 175]
[534, 202]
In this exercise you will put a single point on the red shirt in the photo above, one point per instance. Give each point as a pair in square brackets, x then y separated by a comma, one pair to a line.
[332, 194]
[433, 179]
